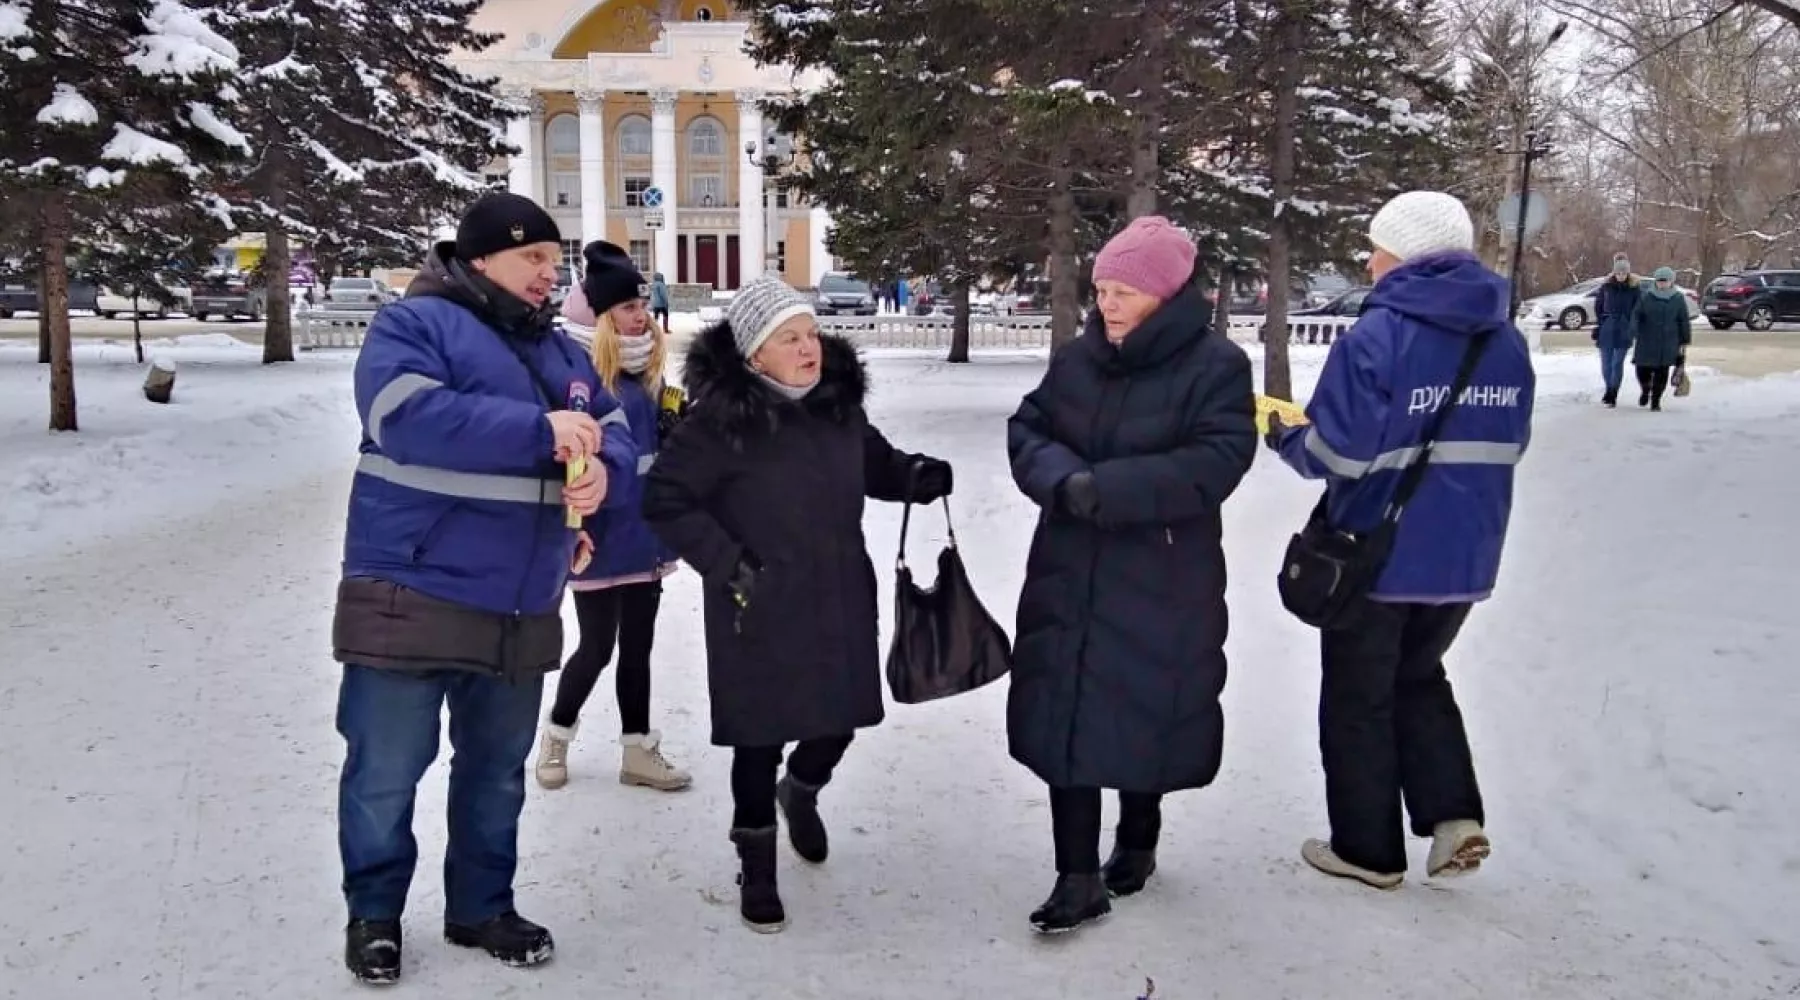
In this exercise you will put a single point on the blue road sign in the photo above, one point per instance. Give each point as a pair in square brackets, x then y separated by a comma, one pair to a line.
[653, 197]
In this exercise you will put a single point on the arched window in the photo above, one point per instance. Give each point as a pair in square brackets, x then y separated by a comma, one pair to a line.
[563, 136]
[706, 138]
[634, 136]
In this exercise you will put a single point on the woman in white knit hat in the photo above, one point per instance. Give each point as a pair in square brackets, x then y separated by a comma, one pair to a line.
[761, 490]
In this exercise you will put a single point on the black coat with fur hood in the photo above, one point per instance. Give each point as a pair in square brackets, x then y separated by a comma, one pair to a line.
[751, 471]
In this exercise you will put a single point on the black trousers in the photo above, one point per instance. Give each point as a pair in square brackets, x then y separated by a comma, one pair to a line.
[624, 616]
[1075, 824]
[1653, 379]
[662, 318]
[1389, 730]
[753, 776]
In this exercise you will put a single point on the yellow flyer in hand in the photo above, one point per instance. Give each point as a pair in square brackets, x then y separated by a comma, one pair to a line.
[1291, 414]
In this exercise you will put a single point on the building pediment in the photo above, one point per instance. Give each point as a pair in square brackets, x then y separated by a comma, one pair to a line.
[687, 55]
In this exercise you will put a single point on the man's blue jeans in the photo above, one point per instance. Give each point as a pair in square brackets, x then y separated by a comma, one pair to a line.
[1612, 366]
[390, 722]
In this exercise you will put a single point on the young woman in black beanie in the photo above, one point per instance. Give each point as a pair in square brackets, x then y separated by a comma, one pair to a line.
[618, 594]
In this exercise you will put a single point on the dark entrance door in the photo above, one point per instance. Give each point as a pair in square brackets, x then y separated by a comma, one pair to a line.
[706, 260]
[734, 276]
[681, 268]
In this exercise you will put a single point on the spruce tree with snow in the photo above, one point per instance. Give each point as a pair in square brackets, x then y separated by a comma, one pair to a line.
[363, 132]
[99, 98]
[1344, 103]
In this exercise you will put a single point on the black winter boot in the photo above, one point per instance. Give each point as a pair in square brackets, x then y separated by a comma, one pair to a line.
[508, 937]
[806, 831]
[1611, 398]
[1076, 900]
[372, 951]
[760, 897]
[1127, 869]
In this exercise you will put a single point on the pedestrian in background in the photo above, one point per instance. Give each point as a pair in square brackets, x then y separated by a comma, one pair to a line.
[1661, 330]
[1614, 305]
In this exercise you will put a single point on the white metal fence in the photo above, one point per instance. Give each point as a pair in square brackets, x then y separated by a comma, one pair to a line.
[325, 328]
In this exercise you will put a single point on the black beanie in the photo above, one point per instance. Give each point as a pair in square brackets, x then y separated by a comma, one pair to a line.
[612, 277]
[501, 220]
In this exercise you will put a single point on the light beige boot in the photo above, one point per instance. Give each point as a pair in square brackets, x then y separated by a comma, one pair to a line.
[553, 755]
[643, 764]
[1319, 854]
[1458, 847]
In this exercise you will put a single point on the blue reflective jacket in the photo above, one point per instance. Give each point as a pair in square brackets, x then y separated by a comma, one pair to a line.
[457, 495]
[624, 545]
[1381, 382]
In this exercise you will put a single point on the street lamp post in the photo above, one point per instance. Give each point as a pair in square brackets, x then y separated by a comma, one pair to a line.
[772, 155]
[1536, 147]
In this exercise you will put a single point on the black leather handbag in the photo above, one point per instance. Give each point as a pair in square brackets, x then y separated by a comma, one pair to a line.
[945, 642]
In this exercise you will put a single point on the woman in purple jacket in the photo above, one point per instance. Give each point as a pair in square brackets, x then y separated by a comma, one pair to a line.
[617, 595]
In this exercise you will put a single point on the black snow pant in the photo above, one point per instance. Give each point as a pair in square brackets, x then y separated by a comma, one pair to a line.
[662, 318]
[1389, 729]
[753, 776]
[1653, 380]
[625, 616]
[1075, 825]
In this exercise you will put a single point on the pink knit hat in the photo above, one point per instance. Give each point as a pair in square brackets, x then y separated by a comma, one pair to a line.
[1150, 255]
[576, 310]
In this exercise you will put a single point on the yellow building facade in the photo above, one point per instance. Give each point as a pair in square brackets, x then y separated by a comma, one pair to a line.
[626, 100]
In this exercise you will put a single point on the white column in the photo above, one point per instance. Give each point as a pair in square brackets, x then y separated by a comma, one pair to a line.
[664, 174]
[521, 169]
[592, 105]
[752, 231]
[818, 257]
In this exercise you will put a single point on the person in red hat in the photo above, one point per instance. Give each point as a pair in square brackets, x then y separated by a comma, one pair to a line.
[1139, 432]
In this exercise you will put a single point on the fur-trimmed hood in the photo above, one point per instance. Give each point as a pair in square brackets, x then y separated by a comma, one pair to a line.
[729, 396]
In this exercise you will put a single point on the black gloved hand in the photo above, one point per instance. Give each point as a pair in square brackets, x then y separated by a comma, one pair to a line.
[1079, 496]
[667, 421]
[1277, 430]
[932, 480]
[742, 582]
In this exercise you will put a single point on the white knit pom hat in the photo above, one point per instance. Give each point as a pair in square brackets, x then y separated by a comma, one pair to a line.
[1418, 223]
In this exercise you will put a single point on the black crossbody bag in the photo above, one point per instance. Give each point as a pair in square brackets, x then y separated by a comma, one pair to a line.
[1326, 573]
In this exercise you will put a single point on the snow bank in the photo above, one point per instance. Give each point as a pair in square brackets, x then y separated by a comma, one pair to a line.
[235, 428]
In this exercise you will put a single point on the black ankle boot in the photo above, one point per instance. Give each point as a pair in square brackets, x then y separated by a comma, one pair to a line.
[508, 937]
[759, 896]
[1076, 900]
[372, 951]
[1127, 869]
[1644, 398]
[1611, 398]
[806, 831]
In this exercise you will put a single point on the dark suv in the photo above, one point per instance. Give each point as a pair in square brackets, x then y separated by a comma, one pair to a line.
[1757, 299]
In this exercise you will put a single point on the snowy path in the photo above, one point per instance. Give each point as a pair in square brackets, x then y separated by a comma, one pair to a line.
[168, 785]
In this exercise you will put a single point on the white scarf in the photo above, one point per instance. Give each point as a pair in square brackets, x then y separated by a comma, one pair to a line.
[634, 352]
[793, 393]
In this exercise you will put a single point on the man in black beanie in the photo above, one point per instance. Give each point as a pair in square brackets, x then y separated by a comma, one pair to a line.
[474, 407]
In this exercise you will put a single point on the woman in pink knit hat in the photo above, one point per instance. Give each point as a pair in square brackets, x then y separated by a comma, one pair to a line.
[1138, 433]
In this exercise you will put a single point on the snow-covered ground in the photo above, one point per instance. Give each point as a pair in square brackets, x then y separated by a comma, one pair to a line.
[168, 786]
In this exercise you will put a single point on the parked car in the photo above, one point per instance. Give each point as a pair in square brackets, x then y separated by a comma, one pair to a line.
[1574, 307]
[840, 294]
[111, 302]
[18, 296]
[350, 294]
[1346, 303]
[228, 297]
[1757, 299]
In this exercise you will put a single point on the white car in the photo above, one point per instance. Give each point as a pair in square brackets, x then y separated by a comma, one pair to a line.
[1573, 307]
[111, 302]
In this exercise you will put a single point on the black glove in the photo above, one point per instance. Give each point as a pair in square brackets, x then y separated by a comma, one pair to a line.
[1079, 496]
[1277, 430]
[742, 584]
[931, 480]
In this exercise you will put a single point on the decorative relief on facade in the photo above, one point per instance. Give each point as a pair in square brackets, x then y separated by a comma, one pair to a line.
[589, 98]
[662, 100]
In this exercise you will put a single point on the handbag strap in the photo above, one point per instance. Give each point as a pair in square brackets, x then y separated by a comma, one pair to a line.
[1415, 470]
[912, 476]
